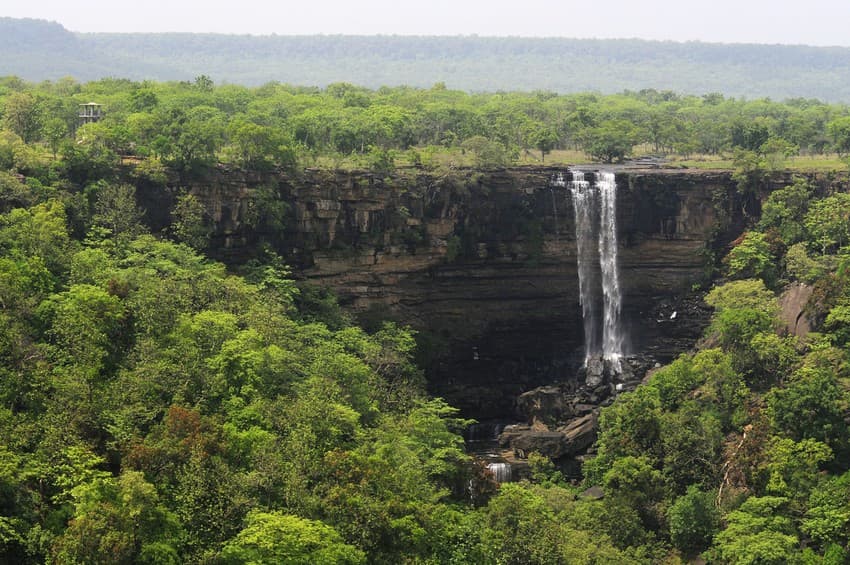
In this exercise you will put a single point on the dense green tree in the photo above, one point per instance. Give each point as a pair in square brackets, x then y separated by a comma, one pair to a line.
[828, 222]
[785, 209]
[544, 139]
[487, 153]
[692, 444]
[88, 161]
[802, 267]
[837, 323]
[776, 151]
[211, 502]
[193, 138]
[259, 146]
[55, 130]
[116, 137]
[22, 114]
[630, 427]
[839, 131]
[410, 459]
[757, 532]
[39, 231]
[610, 141]
[520, 528]
[828, 515]
[745, 295]
[810, 407]
[190, 225]
[143, 98]
[752, 259]
[272, 537]
[115, 209]
[634, 481]
[694, 520]
[792, 467]
[750, 135]
[118, 521]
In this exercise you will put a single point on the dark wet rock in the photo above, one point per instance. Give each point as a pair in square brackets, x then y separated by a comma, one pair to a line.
[582, 409]
[594, 373]
[545, 404]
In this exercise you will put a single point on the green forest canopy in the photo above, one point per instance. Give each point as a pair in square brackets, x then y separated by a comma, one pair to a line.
[189, 125]
[156, 407]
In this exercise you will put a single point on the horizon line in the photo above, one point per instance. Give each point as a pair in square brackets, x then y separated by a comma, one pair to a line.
[392, 35]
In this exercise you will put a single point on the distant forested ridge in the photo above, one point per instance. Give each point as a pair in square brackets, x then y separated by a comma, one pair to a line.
[38, 50]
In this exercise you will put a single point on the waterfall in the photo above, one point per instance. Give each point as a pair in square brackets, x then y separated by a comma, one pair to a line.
[483, 431]
[584, 205]
[501, 472]
[612, 337]
[555, 213]
[596, 255]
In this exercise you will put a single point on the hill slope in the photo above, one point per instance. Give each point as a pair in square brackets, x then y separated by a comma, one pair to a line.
[37, 50]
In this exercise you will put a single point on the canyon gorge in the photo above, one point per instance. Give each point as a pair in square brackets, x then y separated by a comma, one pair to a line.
[483, 264]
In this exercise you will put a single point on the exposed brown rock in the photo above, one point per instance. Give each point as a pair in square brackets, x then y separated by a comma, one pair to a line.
[580, 433]
[565, 441]
[792, 305]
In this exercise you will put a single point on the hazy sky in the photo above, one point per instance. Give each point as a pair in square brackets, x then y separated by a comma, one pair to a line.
[813, 22]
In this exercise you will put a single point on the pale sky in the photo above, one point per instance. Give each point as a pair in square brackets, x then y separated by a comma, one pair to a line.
[812, 22]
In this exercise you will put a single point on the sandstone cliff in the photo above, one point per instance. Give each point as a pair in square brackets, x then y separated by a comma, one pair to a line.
[483, 264]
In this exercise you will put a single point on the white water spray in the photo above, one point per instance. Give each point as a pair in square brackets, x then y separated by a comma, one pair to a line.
[501, 472]
[596, 223]
[612, 337]
[584, 205]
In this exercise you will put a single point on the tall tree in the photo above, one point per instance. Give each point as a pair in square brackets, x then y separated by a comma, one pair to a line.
[22, 114]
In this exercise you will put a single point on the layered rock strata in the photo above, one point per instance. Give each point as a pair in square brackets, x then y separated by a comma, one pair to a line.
[483, 264]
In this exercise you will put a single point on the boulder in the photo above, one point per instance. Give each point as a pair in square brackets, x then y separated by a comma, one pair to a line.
[594, 372]
[551, 444]
[593, 493]
[792, 306]
[545, 404]
[565, 441]
[580, 433]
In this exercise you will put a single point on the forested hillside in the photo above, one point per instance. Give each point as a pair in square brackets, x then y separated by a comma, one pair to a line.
[37, 50]
[158, 407]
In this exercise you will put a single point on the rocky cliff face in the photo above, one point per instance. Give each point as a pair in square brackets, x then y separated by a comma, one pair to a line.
[483, 264]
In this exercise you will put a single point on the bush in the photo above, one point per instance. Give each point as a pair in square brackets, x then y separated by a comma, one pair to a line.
[752, 259]
[693, 521]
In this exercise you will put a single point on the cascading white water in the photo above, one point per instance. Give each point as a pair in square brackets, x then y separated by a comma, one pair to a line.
[559, 181]
[612, 336]
[596, 223]
[555, 212]
[584, 205]
[501, 472]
